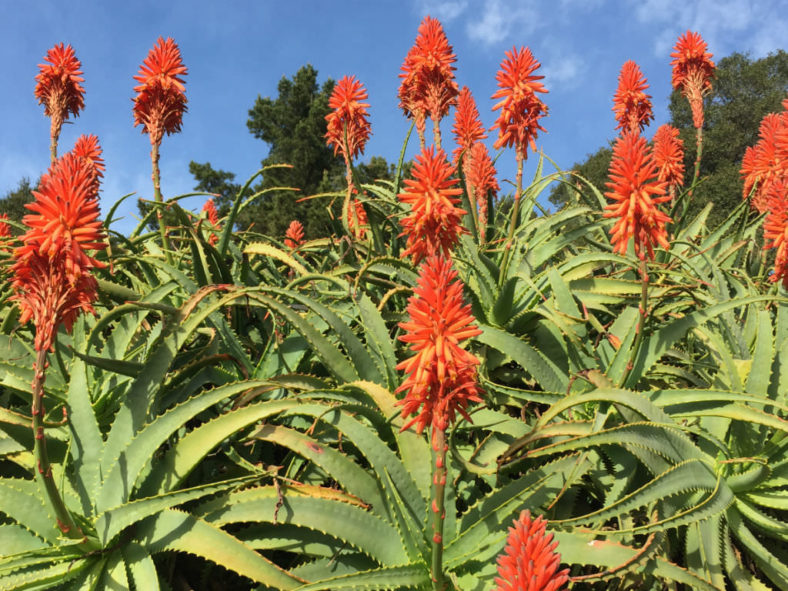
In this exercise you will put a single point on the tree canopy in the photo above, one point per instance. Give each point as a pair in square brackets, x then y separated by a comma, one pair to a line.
[294, 126]
[744, 90]
[13, 203]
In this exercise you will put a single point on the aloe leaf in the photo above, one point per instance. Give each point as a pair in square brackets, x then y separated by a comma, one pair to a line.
[547, 373]
[22, 501]
[140, 565]
[113, 521]
[354, 479]
[768, 563]
[173, 530]
[412, 576]
[312, 507]
[184, 455]
[269, 250]
[119, 480]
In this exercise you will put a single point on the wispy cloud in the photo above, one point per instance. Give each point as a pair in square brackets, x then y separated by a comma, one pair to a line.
[496, 20]
[445, 10]
[726, 25]
[562, 70]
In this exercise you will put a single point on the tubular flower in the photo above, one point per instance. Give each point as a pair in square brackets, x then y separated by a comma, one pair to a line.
[58, 86]
[294, 236]
[161, 98]
[669, 155]
[482, 177]
[349, 112]
[51, 277]
[468, 128]
[767, 161]
[635, 193]
[5, 229]
[47, 294]
[530, 562]
[435, 222]
[65, 217]
[428, 88]
[631, 104]
[775, 229]
[441, 376]
[357, 220]
[209, 209]
[692, 72]
[88, 148]
[521, 108]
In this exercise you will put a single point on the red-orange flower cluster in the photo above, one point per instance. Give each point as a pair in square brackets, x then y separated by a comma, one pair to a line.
[669, 155]
[161, 97]
[65, 217]
[294, 236]
[435, 222]
[209, 209]
[482, 178]
[357, 220]
[349, 113]
[52, 280]
[530, 562]
[766, 163]
[521, 108]
[428, 88]
[5, 229]
[631, 105]
[58, 84]
[635, 192]
[441, 376]
[468, 128]
[775, 228]
[692, 72]
[88, 148]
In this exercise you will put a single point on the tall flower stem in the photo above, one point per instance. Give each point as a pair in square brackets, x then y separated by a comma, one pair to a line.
[515, 213]
[165, 240]
[436, 131]
[641, 320]
[699, 151]
[54, 133]
[64, 520]
[438, 509]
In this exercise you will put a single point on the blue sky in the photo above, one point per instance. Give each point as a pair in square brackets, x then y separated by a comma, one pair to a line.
[240, 49]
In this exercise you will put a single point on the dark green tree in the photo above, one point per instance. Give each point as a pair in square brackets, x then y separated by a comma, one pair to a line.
[744, 90]
[294, 126]
[13, 203]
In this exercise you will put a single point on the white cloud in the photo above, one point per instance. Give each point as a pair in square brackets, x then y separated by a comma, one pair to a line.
[446, 10]
[498, 18]
[760, 26]
[562, 71]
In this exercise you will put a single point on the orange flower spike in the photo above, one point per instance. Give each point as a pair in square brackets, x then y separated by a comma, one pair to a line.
[88, 148]
[767, 161]
[65, 216]
[529, 562]
[669, 155]
[631, 105]
[357, 220]
[428, 88]
[775, 229]
[468, 128]
[520, 106]
[635, 194]
[435, 222]
[5, 229]
[692, 72]
[351, 112]
[59, 89]
[441, 376]
[46, 293]
[294, 236]
[482, 177]
[161, 98]
[209, 209]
